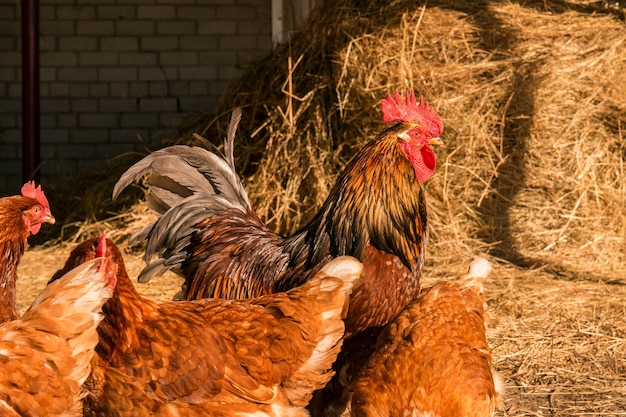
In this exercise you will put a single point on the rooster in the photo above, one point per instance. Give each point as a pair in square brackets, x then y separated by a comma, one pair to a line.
[20, 216]
[376, 212]
[214, 356]
[433, 359]
[45, 356]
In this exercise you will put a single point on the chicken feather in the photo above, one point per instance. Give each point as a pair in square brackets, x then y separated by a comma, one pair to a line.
[212, 356]
[375, 212]
[45, 356]
[434, 359]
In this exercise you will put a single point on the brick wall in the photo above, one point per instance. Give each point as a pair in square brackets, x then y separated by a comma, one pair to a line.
[113, 71]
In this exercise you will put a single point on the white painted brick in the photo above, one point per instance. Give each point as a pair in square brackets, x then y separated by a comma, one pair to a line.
[119, 43]
[229, 72]
[50, 105]
[84, 105]
[178, 58]
[107, 120]
[11, 136]
[55, 135]
[77, 74]
[48, 27]
[236, 12]
[139, 120]
[89, 136]
[8, 120]
[158, 89]
[218, 58]
[195, 12]
[78, 43]
[197, 73]
[13, 58]
[10, 43]
[46, 74]
[195, 43]
[67, 120]
[47, 43]
[138, 58]
[98, 89]
[158, 73]
[198, 88]
[217, 27]
[76, 151]
[176, 27]
[4, 90]
[44, 89]
[8, 74]
[58, 59]
[98, 58]
[179, 88]
[117, 74]
[98, 27]
[195, 103]
[46, 12]
[254, 27]
[15, 90]
[10, 105]
[158, 105]
[138, 89]
[127, 135]
[79, 90]
[156, 12]
[8, 151]
[159, 43]
[75, 12]
[135, 27]
[116, 12]
[8, 12]
[60, 89]
[217, 2]
[47, 121]
[119, 90]
[237, 42]
[117, 104]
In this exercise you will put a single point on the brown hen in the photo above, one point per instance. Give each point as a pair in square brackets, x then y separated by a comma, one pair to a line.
[20, 216]
[375, 212]
[433, 359]
[214, 356]
[45, 356]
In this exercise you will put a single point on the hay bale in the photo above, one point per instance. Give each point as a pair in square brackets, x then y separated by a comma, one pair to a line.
[532, 170]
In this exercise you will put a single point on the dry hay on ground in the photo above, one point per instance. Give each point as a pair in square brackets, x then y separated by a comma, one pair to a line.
[532, 98]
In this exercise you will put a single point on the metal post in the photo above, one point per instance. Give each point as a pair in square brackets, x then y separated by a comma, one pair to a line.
[30, 90]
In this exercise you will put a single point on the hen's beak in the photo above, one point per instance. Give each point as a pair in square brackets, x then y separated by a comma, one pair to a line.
[49, 218]
[435, 141]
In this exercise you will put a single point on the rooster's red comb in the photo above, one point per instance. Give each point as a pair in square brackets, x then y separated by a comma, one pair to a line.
[29, 190]
[409, 110]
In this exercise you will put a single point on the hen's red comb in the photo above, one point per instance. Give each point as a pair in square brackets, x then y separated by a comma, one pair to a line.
[101, 249]
[409, 110]
[29, 190]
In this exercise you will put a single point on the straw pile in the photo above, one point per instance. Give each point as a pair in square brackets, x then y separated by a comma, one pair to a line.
[532, 173]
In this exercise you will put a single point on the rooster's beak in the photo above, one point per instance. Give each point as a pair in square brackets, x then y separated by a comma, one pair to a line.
[435, 141]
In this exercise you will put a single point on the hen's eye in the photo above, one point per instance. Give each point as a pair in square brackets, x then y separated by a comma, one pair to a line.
[36, 210]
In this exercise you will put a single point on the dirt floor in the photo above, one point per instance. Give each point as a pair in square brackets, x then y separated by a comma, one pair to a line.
[555, 341]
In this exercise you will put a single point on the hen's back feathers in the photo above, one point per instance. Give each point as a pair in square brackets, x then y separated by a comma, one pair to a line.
[45, 356]
[433, 359]
[214, 356]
